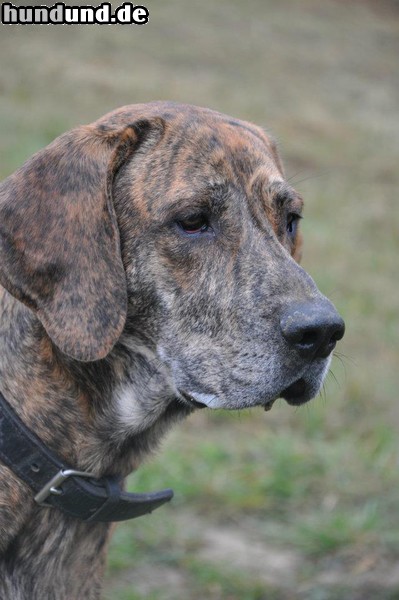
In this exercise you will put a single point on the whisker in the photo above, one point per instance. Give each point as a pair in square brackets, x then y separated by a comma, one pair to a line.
[332, 374]
[341, 356]
[323, 393]
[310, 176]
[344, 359]
[290, 179]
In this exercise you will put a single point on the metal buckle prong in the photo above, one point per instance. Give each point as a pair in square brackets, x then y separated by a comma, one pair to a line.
[52, 486]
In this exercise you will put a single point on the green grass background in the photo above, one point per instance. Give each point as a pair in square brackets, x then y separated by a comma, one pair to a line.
[295, 503]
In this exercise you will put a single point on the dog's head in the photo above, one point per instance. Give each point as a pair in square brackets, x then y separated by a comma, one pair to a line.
[181, 218]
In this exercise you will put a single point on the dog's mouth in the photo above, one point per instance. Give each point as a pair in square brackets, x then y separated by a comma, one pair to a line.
[296, 393]
[191, 401]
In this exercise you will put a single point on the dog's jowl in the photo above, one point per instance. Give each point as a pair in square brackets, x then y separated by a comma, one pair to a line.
[148, 267]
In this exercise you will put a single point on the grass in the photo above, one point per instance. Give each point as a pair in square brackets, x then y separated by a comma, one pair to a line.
[295, 503]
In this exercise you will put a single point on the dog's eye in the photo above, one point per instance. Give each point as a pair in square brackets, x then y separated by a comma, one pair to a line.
[292, 223]
[195, 224]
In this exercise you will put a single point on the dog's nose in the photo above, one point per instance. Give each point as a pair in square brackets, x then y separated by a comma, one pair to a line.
[312, 328]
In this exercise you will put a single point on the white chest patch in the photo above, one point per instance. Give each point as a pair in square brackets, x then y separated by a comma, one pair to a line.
[129, 411]
[142, 398]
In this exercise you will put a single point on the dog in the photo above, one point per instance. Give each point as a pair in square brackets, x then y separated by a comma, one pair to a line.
[149, 268]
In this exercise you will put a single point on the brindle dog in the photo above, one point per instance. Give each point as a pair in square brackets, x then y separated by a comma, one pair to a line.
[149, 267]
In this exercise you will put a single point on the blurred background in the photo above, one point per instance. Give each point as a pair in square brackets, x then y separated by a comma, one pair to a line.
[296, 503]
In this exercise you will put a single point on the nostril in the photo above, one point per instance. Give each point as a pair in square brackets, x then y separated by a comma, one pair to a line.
[309, 338]
[313, 330]
[326, 349]
[333, 334]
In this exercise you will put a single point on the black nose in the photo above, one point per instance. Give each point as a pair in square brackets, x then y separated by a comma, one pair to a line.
[312, 328]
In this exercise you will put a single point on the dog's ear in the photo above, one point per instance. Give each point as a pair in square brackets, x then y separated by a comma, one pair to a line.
[59, 238]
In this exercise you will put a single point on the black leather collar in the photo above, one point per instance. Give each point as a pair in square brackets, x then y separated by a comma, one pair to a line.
[56, 484]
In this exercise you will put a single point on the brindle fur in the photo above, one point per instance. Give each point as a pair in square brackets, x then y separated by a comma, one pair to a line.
[108, 309]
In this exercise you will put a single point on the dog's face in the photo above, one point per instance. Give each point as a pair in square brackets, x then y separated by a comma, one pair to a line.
[208, 231]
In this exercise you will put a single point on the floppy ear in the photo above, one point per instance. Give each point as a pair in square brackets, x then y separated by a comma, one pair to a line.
[59, 238]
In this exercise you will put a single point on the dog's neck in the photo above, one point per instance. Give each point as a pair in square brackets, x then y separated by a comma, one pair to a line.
[102, 416]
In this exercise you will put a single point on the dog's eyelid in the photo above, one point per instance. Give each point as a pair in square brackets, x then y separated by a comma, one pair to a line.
[191, 212]
[294, 215]
[188, 215]
[195, 226]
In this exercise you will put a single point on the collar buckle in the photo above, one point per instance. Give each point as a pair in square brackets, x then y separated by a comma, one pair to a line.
[52, 486]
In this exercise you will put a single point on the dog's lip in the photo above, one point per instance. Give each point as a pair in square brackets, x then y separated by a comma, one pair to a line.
[269, 404]
[295, 394]
[192, 401]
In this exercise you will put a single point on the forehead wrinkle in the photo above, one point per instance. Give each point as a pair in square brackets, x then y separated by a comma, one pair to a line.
[202, 176]
[230, 151]
[264, 180]
[258, 191]
[218, 160]
[218, 149]
[249, 157]
[282, 194]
